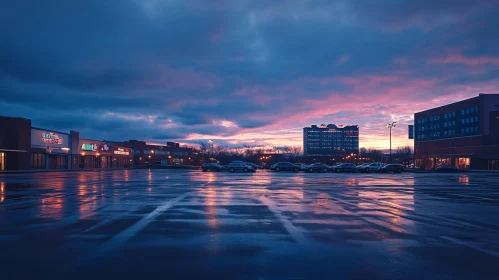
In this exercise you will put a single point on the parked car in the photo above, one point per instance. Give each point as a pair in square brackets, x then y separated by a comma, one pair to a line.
[446, 168]
[345, 167]
[317, 167]
[211, 166]
[396, 168]
[285, 166]
[255, 167]
[363, 167]
[240, 166]
[304, 167]
[376, 166]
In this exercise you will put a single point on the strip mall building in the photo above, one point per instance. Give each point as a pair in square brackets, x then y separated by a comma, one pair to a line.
[24, 147]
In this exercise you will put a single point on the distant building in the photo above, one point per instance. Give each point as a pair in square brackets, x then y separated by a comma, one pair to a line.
[330, 140]
[464, 134]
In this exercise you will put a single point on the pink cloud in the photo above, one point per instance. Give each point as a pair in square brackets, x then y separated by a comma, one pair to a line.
[469, 61]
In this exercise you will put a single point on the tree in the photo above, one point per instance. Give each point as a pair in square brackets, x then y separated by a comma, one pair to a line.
[374, 154]
[248, 151]
[203, 147]
[403, 154]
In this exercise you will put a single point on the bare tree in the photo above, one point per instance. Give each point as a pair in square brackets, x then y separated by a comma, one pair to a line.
[403, 154]
[247, 150]
[296, 150]
[374, 154]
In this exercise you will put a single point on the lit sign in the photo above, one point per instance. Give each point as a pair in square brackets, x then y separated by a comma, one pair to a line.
[351, 133]
[104, 147]
[89, 147]
[51, 138]
[121, 151]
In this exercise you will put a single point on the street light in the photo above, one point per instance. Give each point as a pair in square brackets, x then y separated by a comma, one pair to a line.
[390, 125]
[211, 144]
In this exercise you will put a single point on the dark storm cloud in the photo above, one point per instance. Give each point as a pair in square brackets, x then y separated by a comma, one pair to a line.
[147, 69]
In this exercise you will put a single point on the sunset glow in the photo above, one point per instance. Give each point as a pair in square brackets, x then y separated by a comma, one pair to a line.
[244, 72]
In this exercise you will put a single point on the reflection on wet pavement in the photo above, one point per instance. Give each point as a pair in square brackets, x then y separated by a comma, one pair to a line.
[190, 224]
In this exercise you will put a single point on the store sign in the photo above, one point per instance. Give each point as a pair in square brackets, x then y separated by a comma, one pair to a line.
[51, 138]
[121, 151]
[104, 147]
[45, 138]
[89, 147]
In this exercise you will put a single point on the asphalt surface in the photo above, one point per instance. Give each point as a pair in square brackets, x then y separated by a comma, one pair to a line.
[178, 224]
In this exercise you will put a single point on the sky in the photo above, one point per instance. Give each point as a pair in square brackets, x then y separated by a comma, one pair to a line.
[241, 72]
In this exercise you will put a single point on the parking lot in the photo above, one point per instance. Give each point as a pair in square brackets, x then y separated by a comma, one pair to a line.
[140, 224]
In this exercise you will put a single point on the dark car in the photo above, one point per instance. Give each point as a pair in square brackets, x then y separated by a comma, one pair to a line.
[255, 167]
[211, 166]
[396, 168]
[285, 166]
[345, 167]
[446, 168]
[317, 167]
[240, 166]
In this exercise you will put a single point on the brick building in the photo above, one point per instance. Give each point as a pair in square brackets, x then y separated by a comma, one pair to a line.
[464, 134]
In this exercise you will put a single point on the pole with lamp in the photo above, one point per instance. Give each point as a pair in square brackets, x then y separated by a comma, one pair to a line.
[211, 144]
[390, 125]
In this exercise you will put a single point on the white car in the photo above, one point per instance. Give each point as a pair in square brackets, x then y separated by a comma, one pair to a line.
[376, 166]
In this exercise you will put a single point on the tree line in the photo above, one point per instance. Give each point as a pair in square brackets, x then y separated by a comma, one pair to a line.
[258, 155]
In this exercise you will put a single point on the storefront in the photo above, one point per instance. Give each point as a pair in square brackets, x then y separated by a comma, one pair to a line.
[122, 157]
[14, 143]
[98, 154]
[2, 161]
[49, 149]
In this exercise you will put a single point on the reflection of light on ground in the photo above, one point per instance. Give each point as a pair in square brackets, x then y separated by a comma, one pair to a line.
[51, 208]
[464, 179]
[290, 193]
[351, 181]
[81, 177]
[210, 202]
[386, 181]
[82, 190]
[2, 192]
[126, 175]
[211, 177]
[298, 179]
[322, 200]
[391, 205]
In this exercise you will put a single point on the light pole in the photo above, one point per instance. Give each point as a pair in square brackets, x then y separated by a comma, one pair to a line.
[390, 125]
[211, 144]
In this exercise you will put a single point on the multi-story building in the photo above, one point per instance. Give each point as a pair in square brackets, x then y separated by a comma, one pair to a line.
[464, 134]
[330, 140]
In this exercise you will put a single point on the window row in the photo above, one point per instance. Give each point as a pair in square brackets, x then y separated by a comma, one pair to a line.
[469, 120]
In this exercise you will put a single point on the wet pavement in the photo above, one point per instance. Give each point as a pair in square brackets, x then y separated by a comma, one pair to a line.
[139, 224]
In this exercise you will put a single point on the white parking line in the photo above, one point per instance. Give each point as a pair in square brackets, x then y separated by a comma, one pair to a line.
[294, 231]
[122, 237]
